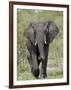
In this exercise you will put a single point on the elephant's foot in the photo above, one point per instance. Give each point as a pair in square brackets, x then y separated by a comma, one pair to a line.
[36, 73]
[43, 76]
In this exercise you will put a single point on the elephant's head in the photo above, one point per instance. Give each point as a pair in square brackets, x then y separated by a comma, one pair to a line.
[41, 34]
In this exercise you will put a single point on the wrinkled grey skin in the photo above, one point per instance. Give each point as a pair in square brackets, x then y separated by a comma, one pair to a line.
[38, 37]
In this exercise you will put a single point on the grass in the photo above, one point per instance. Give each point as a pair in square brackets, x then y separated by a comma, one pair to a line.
[55, 74]
[25, 76]
[51, 74]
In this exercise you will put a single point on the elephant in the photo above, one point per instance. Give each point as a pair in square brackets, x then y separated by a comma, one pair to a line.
[38, 36]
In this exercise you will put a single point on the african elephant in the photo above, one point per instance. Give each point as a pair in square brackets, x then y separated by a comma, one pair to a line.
[38, 37]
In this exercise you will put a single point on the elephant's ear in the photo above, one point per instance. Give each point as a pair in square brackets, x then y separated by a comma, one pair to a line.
[29, 33]
[53, 31]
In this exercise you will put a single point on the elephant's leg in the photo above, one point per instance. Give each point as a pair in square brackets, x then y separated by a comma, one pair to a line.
[35, 65]
[33, 57]
[39, 65]
[44, 68]
[44, 63]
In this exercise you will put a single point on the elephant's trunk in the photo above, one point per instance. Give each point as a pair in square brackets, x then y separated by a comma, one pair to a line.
[41, 50]
[40, 43]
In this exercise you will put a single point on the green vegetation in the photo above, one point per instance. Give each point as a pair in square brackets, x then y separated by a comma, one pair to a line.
[55, 62]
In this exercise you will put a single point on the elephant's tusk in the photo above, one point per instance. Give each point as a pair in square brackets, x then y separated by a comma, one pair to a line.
[45, 42]
[35, 44]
